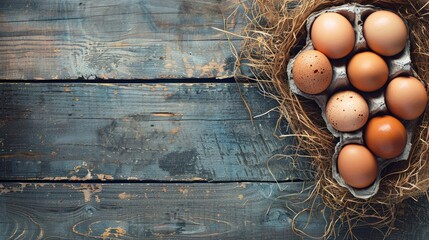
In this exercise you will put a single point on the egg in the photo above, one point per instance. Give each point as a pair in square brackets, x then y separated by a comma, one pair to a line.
[385, 136]
[333, 35]
[347, 111]
[385, 32]
[312, 72]
[357, 166]
[406, 97]
[367, 71]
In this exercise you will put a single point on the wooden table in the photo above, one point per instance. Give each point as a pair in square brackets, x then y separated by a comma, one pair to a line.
[121, 120]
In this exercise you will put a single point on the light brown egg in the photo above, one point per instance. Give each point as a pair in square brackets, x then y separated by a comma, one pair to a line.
[347, 111]
[385, 33]
[312, 72]
[367, 71]
[385, 136]
[333, 35]
[357, 166]
[406, 97]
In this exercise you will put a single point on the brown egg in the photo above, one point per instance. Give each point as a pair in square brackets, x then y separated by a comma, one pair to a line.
[333, 35]
[347, 111]
[385, 136]
[385, 33]
[406, 97]
[357, 166]
[367, 71]
[312, 72]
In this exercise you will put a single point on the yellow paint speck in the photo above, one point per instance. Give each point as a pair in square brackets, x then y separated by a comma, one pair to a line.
[124, 196]
[104, 177]
[113, 232]
[183, 190]
[175, 130]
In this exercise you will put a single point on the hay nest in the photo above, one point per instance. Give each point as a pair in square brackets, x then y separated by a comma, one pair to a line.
[276, 32]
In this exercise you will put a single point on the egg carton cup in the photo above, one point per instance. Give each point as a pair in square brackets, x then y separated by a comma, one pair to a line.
[399, 64]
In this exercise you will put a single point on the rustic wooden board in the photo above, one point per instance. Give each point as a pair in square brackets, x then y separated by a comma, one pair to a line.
[168, 211]
[142, 211]
[116, 39]
[176, 132]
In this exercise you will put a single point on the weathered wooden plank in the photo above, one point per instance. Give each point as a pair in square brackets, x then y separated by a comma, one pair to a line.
[141, 211]
[116, 39]
[139, 132]
[169, 211]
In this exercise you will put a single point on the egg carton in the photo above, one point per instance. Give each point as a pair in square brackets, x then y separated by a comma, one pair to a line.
[399, 64]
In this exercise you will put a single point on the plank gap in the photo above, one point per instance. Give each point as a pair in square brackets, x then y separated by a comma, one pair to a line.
[116, 181]
[95, 79]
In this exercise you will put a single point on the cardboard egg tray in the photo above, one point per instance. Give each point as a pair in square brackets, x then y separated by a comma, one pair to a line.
[399, 64]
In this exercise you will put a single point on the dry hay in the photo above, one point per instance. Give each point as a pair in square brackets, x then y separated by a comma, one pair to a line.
[276, 32]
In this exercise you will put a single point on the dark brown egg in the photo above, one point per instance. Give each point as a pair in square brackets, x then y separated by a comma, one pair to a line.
[385, 136]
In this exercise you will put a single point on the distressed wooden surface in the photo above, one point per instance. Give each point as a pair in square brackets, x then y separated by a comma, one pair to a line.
[163, 132]
[143, 161]
[168, 211]
[116, 39]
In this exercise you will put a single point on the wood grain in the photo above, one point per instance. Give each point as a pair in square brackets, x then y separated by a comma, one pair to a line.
[143, 161]
[170, 132]
[142, 211]
[116, 39]
[170, 211]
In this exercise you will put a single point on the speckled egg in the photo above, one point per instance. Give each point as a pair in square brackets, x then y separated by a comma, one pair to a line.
[347, 111]
[312, 72]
